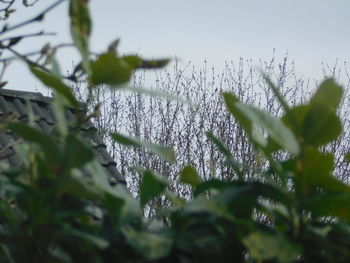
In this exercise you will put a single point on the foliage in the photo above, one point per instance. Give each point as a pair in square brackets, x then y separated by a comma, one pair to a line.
[297, 211]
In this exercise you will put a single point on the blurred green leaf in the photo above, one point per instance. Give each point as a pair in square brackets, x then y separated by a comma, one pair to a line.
[54, 82]
[47, 142]
[277, 93]
[315, 169]
[230, 101]
[80, 26]
[321, 125]
[109, 69]
[274, 127]
[189, 175]
[203, 205]
[347, 157]
[94, 239]
[294, 119]
[210, 184]
[151, 186]
[329, 94]
[164, 152]
[154, 63]
[58, 105]
[76, 152]
[265, 246]
[248, 116]
[158, 93]
[335, 204]
[230, 161]
[151, 246]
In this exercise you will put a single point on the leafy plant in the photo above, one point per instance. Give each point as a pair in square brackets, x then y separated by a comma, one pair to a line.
[295, 209]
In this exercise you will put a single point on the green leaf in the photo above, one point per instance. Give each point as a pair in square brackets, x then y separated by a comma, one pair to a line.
[330, 204]
[109, 69]
[277, 93]
[230, 101]
[76, 152]
[94, 239]
[329, 93]
[80, 25]
[58, 105]
[211, 184]
[154, 63]
[317, 171]
[158, 93]
[274, 126]
[347, 157]
[151, 246]
[151, 186]
[166, 153]
[265, 246]
[54, 82]
[137, 62]
[321, 125]
[47, 142]
[189, 175]
[294, 119]
[227, 153]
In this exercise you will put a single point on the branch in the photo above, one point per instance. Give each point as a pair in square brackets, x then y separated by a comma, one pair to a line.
[34, 52]
[41, 33]
[37, 18]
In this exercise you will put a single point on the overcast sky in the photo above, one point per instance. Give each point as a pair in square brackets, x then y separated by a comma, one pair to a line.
[311, 31]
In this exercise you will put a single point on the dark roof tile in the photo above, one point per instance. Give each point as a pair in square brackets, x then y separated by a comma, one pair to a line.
[18, 103]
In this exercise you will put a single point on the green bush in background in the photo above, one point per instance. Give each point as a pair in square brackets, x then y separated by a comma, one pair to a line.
[296, 212]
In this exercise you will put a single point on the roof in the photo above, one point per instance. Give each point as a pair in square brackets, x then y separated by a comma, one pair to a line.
[16, 103]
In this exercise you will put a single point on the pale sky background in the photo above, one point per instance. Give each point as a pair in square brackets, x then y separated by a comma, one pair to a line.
[311, 31]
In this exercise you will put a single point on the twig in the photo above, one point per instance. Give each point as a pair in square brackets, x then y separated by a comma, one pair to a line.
[37, 18]
[41, 33]
[36, 52]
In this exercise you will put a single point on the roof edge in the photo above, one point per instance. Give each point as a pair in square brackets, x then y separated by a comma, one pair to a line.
[25, 95]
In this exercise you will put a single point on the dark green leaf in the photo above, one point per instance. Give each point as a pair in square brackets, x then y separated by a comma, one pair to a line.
[321, 125]
[151, 186]
[158, 93]
[203, 205]
[166, 153]
[277, 93]
[274, 127]
[189, 175]
[94, 239]
[294, 119]
[151, 246]
[227, 153]
[80, 25]
[329, 93]
[317, 169]
[150, 64]
[230, 101]
[109, 69]
[54, 82]
[76, 152]
[265, 246]
[47, 142]
[330, 204]
[347, 157]
[210, 184]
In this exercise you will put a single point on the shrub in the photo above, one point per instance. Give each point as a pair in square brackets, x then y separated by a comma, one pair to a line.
[293, 210]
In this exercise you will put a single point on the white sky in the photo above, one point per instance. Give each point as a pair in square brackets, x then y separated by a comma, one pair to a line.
[312, 31]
